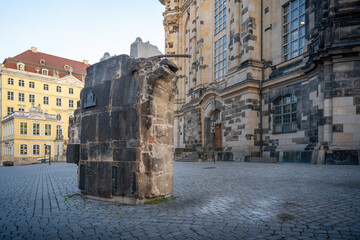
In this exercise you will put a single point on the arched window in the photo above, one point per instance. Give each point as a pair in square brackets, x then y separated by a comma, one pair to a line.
[285, 114]
[23, 149]
[58, 130]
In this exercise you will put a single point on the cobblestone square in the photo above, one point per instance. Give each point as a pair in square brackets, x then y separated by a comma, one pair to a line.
[226, 200]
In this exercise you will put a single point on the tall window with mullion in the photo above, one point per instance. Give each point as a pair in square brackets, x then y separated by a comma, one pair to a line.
[293, 29]
[285, 114]
[220, 59]
[220, 15]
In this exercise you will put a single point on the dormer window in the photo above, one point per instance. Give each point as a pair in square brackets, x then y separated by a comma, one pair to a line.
[45, 72]
[66, 67]
[20, 66]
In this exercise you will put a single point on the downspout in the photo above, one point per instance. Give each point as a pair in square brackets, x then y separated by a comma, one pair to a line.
[261, 81]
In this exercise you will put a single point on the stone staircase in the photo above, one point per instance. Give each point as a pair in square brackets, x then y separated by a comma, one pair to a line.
[262, 160]
[189, 158]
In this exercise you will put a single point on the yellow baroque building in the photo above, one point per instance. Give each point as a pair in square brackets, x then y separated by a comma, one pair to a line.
[39, 93]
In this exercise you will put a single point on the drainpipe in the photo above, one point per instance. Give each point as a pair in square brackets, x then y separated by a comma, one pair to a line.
[262, 79]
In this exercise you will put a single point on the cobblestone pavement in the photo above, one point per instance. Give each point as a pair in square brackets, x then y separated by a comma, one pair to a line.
[231, 201]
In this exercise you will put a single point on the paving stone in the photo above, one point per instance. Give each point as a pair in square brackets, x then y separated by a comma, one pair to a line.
[233, 201]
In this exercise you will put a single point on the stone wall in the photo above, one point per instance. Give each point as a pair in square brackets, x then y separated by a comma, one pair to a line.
[323, 77]
[126, 136]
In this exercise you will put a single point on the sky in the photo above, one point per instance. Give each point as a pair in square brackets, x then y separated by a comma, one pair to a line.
[79, 29]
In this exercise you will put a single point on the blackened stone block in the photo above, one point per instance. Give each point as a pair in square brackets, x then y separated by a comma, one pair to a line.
[82, 177]
[91, 178]
[88, 128]
[106, 150]
[124, 154]
[84, 152]
[94, 151]
[104, 127]
[343, 157]
[104, 179]
[73, 153]
[125, 91]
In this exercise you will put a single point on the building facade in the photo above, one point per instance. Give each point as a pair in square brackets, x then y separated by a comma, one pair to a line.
[39, 93]
[271, 78]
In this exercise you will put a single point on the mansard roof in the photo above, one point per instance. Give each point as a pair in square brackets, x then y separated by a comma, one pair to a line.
[52, 62]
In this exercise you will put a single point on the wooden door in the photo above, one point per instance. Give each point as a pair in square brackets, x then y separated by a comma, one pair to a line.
[218, 135]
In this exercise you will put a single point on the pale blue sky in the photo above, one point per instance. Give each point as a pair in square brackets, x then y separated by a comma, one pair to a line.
[79, 29]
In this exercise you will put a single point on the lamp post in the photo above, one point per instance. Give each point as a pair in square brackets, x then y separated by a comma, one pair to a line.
[213, 137]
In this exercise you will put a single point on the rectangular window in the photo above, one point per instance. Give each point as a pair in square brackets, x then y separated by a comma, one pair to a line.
[47, 129]
[58, 102]
[46, 87]
[31, 98]
[293, 29]
[36, 149]
[58, 89]
[220, 59]
[10, 81]
[285, 114]
[10, 95]
[46, 100]
[47, 149]
[21, 97]
[31, 85]
[23, 149]
[220, 15]
[71, 103]
[23, 128]
[45, 72]
[36, 129]
[21, 83]
[10, 110]
[71, 91]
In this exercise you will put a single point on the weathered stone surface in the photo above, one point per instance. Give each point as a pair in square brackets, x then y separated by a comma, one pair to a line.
[126, 135]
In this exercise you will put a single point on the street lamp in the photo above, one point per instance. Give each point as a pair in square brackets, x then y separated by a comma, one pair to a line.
[213, 137]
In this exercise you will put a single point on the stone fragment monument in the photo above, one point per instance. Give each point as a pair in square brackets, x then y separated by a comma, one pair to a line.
[124, 130]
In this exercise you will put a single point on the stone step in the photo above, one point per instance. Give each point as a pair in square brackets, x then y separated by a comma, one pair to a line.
[189, 158]
[262, 159]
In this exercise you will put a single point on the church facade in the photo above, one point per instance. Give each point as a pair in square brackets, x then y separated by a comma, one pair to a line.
[276, 79]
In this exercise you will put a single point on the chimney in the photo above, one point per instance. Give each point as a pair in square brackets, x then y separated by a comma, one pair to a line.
[34, 49]
[86, 61]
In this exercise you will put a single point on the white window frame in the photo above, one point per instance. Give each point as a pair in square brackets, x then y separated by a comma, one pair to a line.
[58, 102]
[58, 89]
[10, 95]
[39, 129]
[21, 83]
[27, 128]
[31, 84]
[39, 150]
[30, 98]
[10, 112]
[46, 87]
[71, 91]
[71, 103]
[22, 144]
[46, 100]
[46, 130]
[10, 81]
[21, 97]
